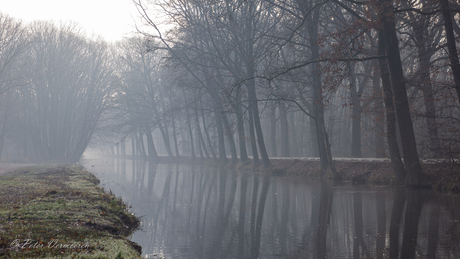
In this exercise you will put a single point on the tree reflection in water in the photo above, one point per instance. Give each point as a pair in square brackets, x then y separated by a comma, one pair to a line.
[204, 212]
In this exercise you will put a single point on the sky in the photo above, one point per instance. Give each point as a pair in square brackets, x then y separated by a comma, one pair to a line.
[112, 19]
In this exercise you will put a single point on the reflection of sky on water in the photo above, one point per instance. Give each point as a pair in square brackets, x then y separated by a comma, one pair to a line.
[203, 212]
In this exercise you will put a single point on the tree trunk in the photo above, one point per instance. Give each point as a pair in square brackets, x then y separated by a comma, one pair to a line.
[395, 156]
[294, 142]
[200, 135]
[190, 133]
[208, 139]
[451, 46]
[165, 136]
[379, 118]
[273, 132]
[255, 153]
[314, 149]
[225, 123]
[123, 148]
[220, 135]
[322, 136]
[356, 117]
[428, 97]
[4, 123]
[230, 137]
[430, 108]
[183, 136]
[153, 155]
[176, 146]
[302, 143]
[198, 139]
[140, 141]
[312, 17]
[158, 118]
[240, 121]
[249, 60]
[133, 146]
[285, 152]
[2, 139]
[415, 176]
[258, 128]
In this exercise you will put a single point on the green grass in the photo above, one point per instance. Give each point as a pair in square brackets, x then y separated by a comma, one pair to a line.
[60, 212]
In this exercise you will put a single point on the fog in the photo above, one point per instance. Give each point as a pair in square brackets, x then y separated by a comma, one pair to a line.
[237, 80]
[245, 82]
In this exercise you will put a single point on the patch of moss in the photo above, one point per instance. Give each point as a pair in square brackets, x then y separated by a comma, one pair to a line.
[60, 212]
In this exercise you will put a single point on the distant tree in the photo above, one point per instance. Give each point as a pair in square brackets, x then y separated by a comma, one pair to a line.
[143, 88]
[13, 44]
[69, 84]
[302, 51]
[7, 113]
[224, 43]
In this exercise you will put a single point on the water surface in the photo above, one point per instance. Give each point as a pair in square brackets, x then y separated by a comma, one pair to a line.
[205, 212]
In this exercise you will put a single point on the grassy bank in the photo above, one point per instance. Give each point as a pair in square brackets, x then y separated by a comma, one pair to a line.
[60, 212]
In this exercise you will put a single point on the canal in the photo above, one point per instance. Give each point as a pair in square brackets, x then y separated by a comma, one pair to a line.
[207, 212]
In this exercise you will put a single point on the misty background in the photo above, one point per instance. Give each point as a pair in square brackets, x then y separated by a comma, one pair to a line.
[240, 82]
[236, 80]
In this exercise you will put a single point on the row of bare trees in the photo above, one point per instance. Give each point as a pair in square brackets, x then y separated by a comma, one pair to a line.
[378, 73]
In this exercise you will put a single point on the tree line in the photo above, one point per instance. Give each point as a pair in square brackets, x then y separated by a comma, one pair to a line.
[55, 84]
[235, 79]
[372, 76]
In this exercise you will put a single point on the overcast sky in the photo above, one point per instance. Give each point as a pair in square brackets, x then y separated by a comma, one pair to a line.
[111, 19]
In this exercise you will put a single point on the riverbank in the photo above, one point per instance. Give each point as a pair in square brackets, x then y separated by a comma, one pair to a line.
[61, 212]
[444, 176]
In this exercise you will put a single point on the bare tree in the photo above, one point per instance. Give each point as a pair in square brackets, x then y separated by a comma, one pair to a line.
[415, 174]
[229, 38]
[13, 44]
[451, 45]
[143, 84]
